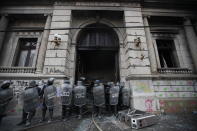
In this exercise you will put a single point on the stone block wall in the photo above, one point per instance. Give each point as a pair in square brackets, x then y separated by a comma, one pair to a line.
[58, 57]
[169, 96]
[137, 58]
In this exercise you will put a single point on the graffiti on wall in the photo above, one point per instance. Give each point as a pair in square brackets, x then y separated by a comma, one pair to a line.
[149, 105]
[19, 86]
[178, 106]
[53, 70]
[142, 87]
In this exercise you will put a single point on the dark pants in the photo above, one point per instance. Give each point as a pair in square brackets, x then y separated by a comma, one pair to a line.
[44, 109]
[65, 111]
[80, 111]
[98, 110]
[114, 109]
[28, 116]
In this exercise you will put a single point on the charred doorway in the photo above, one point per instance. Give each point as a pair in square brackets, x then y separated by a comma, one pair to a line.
[98, 54]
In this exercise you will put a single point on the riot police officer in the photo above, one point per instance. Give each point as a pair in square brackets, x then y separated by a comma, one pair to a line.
[125, 95]
[6, 95]
[79, 97]
[99, 97]
[48, 94]
[66, 98]
[114, 96]
[41, 84]
[30, 101]
[107, 88]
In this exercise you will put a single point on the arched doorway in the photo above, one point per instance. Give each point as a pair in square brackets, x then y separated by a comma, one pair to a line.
[97, 53]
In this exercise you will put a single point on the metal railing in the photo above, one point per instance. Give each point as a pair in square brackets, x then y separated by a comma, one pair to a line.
[17, 69]
[174, 71]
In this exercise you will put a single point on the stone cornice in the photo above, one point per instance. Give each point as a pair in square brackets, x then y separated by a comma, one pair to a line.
[163, 77]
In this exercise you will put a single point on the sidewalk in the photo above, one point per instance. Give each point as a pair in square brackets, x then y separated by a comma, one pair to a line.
[107, 123]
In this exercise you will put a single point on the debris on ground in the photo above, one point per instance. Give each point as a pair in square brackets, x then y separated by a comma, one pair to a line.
[167, 122]
[137, 119]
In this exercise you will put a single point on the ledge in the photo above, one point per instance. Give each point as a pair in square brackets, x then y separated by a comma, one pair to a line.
[174, 71]
[162, 77]
[23, 70]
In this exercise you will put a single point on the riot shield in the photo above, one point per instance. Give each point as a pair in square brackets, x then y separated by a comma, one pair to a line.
[5, 97]
[66, 96]
[79, 95]
[30, 99]
[11, 105]
[125, 96]
[50, 96]
[114, 95]
[99, 95]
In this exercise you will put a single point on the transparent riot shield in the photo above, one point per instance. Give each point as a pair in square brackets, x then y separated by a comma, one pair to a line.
[50, 96]
[30, 99]
[66, 95]
[125, 96]
[114, 95]
[6, 95]
[99, 95]
[79, 95]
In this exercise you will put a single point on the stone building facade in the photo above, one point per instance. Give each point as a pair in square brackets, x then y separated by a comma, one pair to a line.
[149, 45]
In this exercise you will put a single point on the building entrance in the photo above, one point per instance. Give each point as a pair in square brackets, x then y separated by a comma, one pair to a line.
[97, 54]
[98, 65]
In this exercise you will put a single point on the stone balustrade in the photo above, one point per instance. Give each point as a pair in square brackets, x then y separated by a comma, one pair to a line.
[17, 69]
[174, 71]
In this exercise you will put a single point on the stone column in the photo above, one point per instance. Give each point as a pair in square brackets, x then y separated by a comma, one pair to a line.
[3, 26]
[149, 42]
[43, 45]
[192, 40]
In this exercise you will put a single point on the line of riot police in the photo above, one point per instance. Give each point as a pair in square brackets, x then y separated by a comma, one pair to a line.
[6, 96]
[110, 96]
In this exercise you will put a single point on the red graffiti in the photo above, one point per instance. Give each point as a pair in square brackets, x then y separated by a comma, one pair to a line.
[12, 110]
[189, 82]
[193, 102]
[149, 105]
[162, 103]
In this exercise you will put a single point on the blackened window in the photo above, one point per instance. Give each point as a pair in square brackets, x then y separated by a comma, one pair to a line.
[167, 53]
[98, 35]
[26, 52]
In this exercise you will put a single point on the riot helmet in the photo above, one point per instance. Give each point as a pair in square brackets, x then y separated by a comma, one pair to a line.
[117, 84]
[82, 78]
[67, 81]
[32, 83]
[122, 84]
[50, 81]
[40, 83]
[5, 84]
[96, 82]
[110, 84]
[79, 83]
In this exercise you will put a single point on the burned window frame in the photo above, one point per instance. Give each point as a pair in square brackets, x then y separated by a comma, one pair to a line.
[24, 35]
[167, 46]
[167, 37]
[27, 45]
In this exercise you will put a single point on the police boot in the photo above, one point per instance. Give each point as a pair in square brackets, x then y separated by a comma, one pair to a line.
[67, 113]
[115, 110]
[50, 115]
[43, 115]
[27, 123]
[95, 110]
[24, 118]
[29, 117]
[99, 112]
[63, 112]
[0, 119]
[80, 113]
